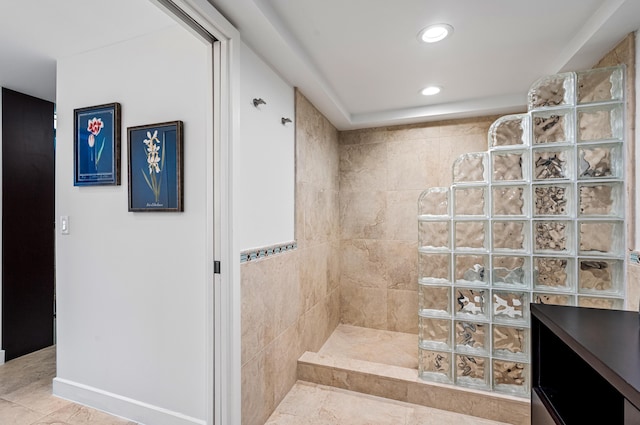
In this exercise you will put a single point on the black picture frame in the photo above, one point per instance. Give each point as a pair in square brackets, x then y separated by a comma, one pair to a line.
[156, 167]
[96, 147]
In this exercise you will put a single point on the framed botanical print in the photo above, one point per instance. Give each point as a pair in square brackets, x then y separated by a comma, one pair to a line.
[156, 167]
[97, 145]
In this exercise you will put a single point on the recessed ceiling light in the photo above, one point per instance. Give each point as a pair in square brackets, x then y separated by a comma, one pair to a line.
[430, 91]
[436, 32]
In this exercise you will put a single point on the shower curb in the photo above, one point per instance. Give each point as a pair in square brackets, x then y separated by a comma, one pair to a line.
[403, 384]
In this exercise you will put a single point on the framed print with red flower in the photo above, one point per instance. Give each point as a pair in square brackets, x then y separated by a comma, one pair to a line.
[96, 146]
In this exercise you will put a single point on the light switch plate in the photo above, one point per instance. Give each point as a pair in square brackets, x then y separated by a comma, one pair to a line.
[64, 224]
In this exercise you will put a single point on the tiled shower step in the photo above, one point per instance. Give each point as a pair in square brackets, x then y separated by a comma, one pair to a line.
[403, 384]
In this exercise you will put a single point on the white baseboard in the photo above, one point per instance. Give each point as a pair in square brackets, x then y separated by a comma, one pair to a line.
[133, 410]
[1, 356]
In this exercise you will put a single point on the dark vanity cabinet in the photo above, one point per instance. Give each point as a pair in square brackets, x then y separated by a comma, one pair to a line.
[585, 366]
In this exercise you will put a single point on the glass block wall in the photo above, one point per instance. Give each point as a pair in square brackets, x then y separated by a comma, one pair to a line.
[539, 217]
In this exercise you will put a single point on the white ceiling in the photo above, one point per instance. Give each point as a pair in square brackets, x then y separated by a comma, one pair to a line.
[35, 33]
[358, 61]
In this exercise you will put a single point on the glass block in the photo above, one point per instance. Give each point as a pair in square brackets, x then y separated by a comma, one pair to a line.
[434, 268]
[472, 371]
[552, 127]
[510, 235]
[600, 276]
[553, 236]
[552, 200]
[603, 199]
[434, 333]
[471, 302]
[509, 130]
[604, 122]
[434, 300]
[509, 200]
[600, 85]
[508, 166]
[601, 237]
[435, 365]
[550, 91]
[510, 306]
[471, 269]
[434, 234]
[471, 235]
[511, 377]
[511, 341]
[553, 273]
[470, 201]
[555, 299]
[471, 337]
[470, 167]
[434, 202]
[597, 302]
[553, 164]
[510, 270]
[600, 161]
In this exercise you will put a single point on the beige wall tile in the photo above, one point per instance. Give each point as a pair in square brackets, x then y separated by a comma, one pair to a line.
[401, 310]
[362, 306]
[320, 214]
[363, 167]
[363, 264]
[258, 401]
[402, 210]
[363, 214]
[314, 275]
[408, 163]
[402, 265]
[633, 287]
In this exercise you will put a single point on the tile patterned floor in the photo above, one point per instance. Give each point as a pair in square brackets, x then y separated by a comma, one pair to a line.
[373, 345]
[26, 399]
[313, 404]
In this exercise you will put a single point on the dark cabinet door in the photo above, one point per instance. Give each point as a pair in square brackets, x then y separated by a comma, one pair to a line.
[28, 194]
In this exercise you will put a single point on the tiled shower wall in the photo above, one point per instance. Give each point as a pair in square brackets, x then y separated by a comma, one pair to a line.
[382, 172]
[625, 53]
[290, 301]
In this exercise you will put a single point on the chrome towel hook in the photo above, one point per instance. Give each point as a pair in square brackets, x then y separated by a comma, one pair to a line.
[259, 101]
[285, 120]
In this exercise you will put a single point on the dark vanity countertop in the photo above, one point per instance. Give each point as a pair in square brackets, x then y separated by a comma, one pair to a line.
[608, 340]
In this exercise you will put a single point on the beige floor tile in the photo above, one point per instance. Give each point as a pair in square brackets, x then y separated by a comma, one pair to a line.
[428, 416]
[373, 345]
[342, 407]
[14, 414]
[37, 396]
[75, 414]
[26, 398]
[313, 404]
[25, 370]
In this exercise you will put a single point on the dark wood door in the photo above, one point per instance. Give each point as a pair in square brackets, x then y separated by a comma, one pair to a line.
[28, 188]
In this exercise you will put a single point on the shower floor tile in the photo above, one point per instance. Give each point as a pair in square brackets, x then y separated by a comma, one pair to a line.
[373, 345]
[358, 366]
[314, 404]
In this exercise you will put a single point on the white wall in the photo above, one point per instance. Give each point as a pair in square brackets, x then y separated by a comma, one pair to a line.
[131, 286]
[266, 171]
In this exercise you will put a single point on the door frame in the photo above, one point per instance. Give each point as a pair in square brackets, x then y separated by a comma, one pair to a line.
[223, 305]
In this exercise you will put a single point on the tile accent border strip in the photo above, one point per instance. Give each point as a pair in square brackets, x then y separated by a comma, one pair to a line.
[258, 253]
